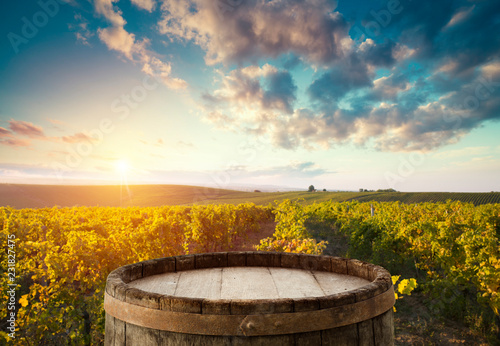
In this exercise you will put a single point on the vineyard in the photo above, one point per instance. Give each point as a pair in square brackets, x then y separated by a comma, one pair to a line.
[63, 255]
[39, 196]
[476, 198]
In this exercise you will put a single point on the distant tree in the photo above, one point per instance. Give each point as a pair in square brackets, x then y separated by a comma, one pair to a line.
[311, 188]
[324, 190]
[360, 190]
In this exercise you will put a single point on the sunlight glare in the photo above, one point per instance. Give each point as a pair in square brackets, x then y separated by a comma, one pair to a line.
[122, 166]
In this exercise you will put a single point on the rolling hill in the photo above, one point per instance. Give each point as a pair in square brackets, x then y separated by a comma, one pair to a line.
[39, 196]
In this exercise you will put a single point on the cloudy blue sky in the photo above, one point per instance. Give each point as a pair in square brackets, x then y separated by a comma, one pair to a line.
[348, 94]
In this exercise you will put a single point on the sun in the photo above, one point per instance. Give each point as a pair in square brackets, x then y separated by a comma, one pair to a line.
[122, 167]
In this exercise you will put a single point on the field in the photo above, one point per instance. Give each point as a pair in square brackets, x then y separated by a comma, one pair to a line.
[40, 196]
[63, 254]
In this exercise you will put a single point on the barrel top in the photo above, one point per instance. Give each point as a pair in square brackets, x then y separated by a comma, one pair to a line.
[239, 283]
[247, 293]
[249, 283]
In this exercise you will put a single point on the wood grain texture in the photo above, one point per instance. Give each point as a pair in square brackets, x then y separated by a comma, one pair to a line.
[332, 283]
[201, 283]
[248, 283]
[143, 336]
[161, 284]
[308, 339]
[274, 340]
[120, 332]
[341, 336]
[293, 283]
[383, 329]
[178, 339]
[109, 330]
[249, 298]
[250, 318]
[365, 333]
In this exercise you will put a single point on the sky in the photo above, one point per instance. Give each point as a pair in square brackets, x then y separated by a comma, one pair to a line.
[341, 95]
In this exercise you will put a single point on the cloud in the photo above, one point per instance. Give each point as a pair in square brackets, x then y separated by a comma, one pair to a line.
[388, 88]
[253, 29]
[221, 120]
[4, 132]
[15, 142]
[110, 12]
[260, 88]
[333, 85]
[459, 16]
[26, 128]
[389, 113]
[162, 71]
[301, 169]
[77, 138]
[117, 38]
[450, 30]
[418, 85]
[295, 169]
[281, 92]
[147, 5]
[380, 54]
[81, 28]
[56, 124]
[439, 82]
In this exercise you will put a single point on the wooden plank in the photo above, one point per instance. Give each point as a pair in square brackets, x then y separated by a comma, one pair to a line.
[200, 283]
[248, 283]
[308, 339]
[120, 332]
[383, 329]
[236, 259]
[161, 284]
[341, 336]
[274, 340]
[295, 283]
[143, 336]
[158, 266]
[178, 339]
[109, 331]
[365, 333]
[263, 259]
[332, 283]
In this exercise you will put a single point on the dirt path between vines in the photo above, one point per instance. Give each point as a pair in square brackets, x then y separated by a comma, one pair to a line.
[414, 325]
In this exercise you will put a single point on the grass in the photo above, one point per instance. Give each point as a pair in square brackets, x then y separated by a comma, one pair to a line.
[39, 196]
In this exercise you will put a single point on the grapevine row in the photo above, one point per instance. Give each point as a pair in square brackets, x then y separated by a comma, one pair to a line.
[65, 255]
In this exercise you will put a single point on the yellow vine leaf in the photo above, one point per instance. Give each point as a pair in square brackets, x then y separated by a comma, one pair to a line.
[23, 301]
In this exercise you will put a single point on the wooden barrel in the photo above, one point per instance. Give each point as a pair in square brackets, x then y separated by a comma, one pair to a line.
[249, 298]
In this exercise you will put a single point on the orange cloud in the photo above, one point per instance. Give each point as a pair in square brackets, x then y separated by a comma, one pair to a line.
[26, 128]
[14, 142]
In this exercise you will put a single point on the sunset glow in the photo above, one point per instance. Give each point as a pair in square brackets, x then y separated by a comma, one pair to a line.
[122, 167]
